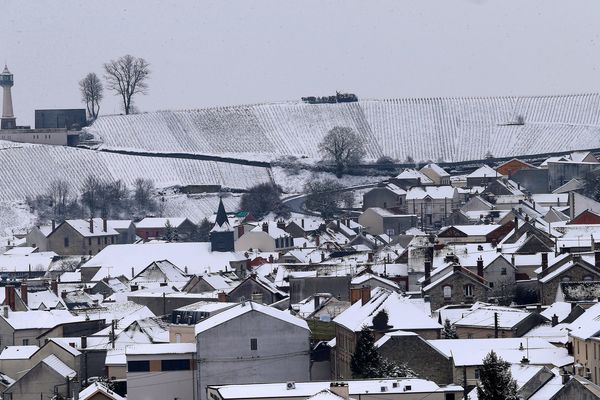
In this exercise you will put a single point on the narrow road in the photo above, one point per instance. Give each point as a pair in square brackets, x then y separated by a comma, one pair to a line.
[296, 202]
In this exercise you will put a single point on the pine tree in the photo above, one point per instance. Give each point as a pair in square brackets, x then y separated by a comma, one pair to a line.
[449, 331]
[170, 233]
[365, 361]
[496, 381]
[380, 320]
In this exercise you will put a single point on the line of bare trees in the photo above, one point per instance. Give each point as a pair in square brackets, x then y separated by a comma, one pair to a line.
[126, 76]
[96, 198]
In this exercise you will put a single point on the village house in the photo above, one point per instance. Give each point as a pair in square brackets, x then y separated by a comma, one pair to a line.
[567, 269]
[82, 237]
[161, 371]
[267, 345]
[404, 314]
[379, 221]
[432, 204]
[155, 228]
[482, 176]
[437, 174]
[487, 321]
[387, 196]
[267, 236]
[409, 178]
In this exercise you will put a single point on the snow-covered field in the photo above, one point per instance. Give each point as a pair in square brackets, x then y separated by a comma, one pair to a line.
[294, 183]
[29, 169]
[197, 207]
[448, 129]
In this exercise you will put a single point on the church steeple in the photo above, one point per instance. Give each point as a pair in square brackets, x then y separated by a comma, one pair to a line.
[221, 235]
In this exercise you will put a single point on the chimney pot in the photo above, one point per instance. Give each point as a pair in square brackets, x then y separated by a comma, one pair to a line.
[480, 266]
[91, 225]
[9, 296]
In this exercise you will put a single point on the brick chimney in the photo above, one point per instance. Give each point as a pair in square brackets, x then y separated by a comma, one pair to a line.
[370, 257]
[281, 224]
[265, 227]
[222, 297]
[302, 223]
[554, 320]
[427, 279]
[480, 266]
[270, 258]
[340, 388]
[365, 294]
[54, 286]
[24, 293]
[91, 225]
[317, 240]
[53, 225]
[9, 296]
[355, 295]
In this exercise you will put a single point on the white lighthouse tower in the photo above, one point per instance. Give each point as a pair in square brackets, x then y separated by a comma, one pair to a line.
[8, 120]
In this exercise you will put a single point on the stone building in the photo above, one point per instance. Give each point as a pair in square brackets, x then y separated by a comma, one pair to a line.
[82, 237]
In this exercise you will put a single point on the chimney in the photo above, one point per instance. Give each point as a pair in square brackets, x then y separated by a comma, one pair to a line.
[340, 389]
[365, 294]
[544, 262]
[53, 225]
[338, 224]
[91, 225]
[270, 258]
[322, 256]
[317, 301]
[427, 280]
[480, 266]
[554, 320]
[240, 230]
[24, 293]
[54, 286]
[265, 227]
[5, 311]
[456, 267]
[9, 296]
[84, 342]
[565, 376]
[355, 295]
[222, 297]
[281, 224]
[302, 223]
[317, 240]
[105, 224]
[132, 272]
[370, 257]
[133, 288]
[516, 222]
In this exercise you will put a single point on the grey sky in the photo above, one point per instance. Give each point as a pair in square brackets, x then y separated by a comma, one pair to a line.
[206, 53]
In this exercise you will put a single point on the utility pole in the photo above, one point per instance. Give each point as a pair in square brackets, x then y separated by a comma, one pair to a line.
[496, 325]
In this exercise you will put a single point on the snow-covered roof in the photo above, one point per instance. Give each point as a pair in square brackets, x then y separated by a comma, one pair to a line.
[20, 251]
[60, 367]
[467, 352]
[358, 280]
[244, 308]
[414, 174]
[403, 313]
[18, 352]
[435, 192]
[588, 323]
[484, 171]
[39, 319]
[437, 169]
[483, 317]
[473, 230]
[95, 388]
[559, 308]
[161, 348]
[118, 260]
[82, 226]
[307, 389]
[24, 262]
[158, 223]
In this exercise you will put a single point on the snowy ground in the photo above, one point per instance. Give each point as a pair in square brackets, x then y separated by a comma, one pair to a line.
[294, 183]
[15, 218]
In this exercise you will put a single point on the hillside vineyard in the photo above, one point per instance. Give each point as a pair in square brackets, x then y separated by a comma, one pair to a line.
[448, 129]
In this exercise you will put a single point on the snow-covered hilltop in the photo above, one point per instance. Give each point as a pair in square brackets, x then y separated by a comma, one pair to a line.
[449, 129]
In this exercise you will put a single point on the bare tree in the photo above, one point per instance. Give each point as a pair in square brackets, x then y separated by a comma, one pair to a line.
[91, 94]
[142, 195]
[127, 76]
[343, 147]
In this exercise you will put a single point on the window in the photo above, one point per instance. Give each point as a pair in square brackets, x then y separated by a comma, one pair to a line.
[66, 242]
[476, 373]
[98, 239]
[25, 342]
[89, 241]
[447, 292]
[491, 284]
[175, 365]
[253, 344]
[503, 271]
[178, 337]
[468, 290]
[138, 366]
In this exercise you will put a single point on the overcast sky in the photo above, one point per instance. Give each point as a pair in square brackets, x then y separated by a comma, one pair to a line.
[206, 53]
